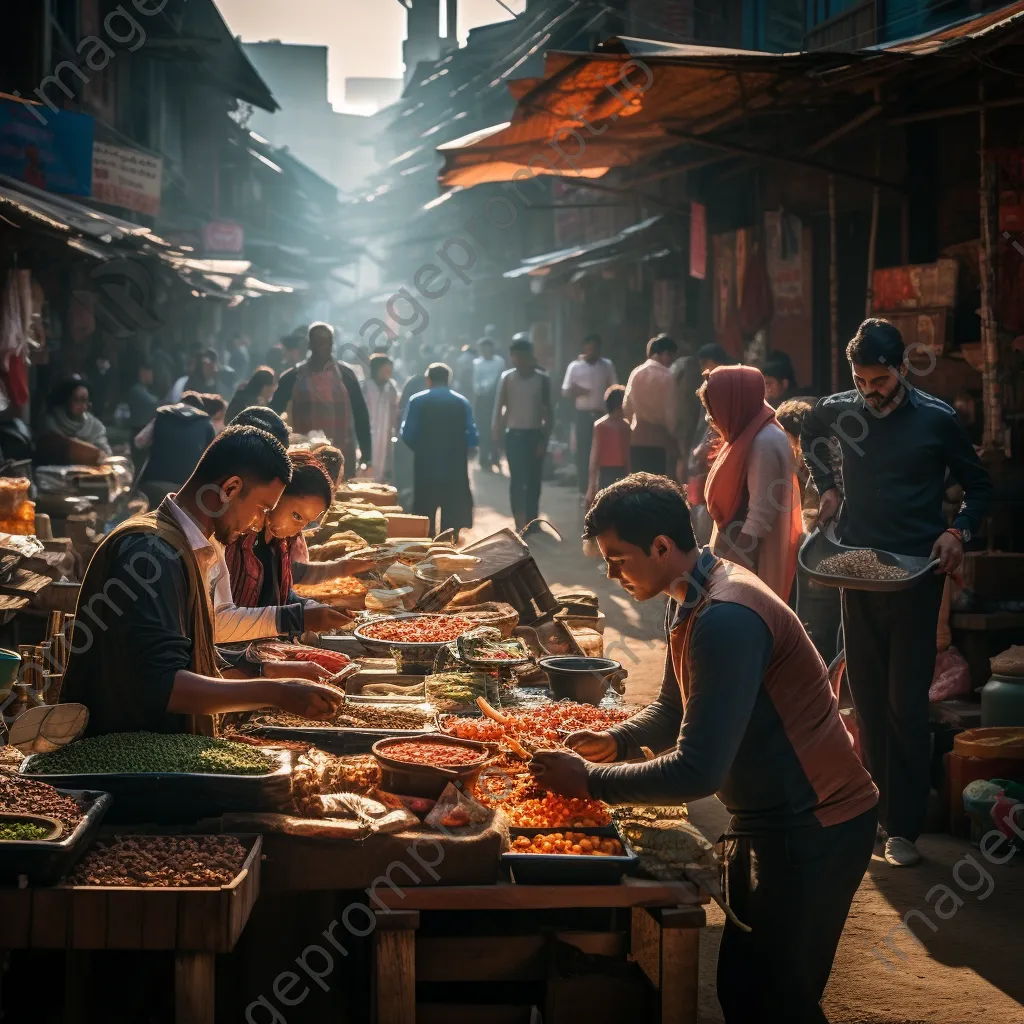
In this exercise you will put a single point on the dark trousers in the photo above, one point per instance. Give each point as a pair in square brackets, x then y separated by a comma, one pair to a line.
[890, 661]
[525, 468]
[819, 608]
[805, 880]
[584, 442]
[648, 459]
[483, 413]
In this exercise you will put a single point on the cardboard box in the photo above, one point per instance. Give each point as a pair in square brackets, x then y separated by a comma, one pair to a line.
[402, 525]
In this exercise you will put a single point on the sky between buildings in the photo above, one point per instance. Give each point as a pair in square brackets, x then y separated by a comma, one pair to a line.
[364, 36]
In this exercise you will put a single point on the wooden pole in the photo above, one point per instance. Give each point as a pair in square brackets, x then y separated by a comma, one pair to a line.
[991, 399]
[833, 281]
[869, 299]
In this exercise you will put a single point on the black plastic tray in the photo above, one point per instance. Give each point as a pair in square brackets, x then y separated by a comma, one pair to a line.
[569, 868]
[45, 863]
[166, 798]
[337, 741]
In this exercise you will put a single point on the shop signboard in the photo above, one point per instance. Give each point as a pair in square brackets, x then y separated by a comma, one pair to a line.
[127, 178]
[52, 152]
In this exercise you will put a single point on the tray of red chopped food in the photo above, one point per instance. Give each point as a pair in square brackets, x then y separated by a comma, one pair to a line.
[411, 632]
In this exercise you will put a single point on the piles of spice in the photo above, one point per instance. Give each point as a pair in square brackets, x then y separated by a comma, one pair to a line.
[23, 796]
[434, 629]
[578, 843]
[863, 564]
[145, 752]
[23, 831]
[355, 716]
[197, 861]
[553, 811]
[436, 755]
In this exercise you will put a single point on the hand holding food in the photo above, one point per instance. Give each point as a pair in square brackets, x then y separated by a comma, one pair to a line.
[308, 700]
[561, 773]
[598, 747]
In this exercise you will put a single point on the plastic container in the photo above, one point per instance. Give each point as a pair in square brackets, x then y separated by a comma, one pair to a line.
[45, 862]
[425, 780]
[165, 798]
[980, 754]
[570, 868]
[1002, 701]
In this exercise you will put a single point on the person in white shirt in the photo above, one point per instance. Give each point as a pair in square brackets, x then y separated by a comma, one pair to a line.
[487, 370]
[587, 378]
[650, 408]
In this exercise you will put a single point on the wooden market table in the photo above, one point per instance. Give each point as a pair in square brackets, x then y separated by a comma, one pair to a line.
[193, 924]
[663, 939]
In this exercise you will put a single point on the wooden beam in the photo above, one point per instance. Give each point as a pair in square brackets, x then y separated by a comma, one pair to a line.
[815, 165]
[963, 108]
[852, 125]
[991, 399]
[833, 283]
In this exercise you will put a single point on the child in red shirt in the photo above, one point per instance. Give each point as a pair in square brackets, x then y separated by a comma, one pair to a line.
[609, 455]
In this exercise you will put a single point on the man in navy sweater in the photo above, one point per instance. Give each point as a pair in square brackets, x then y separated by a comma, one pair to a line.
[898, 444]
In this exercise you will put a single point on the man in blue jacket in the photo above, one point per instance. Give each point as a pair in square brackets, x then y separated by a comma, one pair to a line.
[440, 429]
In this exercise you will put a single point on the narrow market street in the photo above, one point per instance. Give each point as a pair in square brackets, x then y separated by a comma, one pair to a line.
[968, 969]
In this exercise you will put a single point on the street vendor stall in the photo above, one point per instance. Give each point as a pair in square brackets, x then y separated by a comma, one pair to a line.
[489, 884]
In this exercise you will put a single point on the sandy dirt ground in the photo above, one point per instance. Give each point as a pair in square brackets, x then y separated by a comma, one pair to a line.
[965, 965]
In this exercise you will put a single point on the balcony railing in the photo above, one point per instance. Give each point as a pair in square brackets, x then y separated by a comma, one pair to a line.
[852, 30]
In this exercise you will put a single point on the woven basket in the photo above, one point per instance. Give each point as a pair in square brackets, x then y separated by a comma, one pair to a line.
[493, 613]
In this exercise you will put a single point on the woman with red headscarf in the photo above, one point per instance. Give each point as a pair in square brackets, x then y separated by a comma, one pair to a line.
[752, 490]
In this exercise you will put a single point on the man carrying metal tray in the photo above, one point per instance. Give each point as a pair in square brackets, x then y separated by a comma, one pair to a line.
[897, 444]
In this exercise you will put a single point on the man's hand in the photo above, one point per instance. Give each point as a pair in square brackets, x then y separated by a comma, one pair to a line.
[949, 550]
[562, 773]
[828, 506]
[322, 619]
[308, 700]
[599, 747]
[308, 670]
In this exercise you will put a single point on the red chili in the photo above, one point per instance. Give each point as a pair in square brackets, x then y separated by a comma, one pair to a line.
[438, 755]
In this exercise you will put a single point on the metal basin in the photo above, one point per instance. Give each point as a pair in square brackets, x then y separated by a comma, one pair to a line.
[822, 543]
[584, 680]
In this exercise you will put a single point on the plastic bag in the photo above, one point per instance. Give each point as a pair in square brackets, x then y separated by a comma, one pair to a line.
[952, 676]
[455, 809]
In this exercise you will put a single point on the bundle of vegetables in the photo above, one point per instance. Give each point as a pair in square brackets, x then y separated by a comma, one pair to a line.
[450, 690]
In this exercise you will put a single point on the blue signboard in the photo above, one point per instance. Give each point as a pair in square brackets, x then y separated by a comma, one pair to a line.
[50, 149]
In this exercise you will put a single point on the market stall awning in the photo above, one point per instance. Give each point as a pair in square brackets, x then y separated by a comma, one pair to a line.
[594, 112]
[637, 98]
[600, 251]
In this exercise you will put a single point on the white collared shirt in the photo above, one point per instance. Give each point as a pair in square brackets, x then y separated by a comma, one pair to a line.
[596, 377]
[231, 623]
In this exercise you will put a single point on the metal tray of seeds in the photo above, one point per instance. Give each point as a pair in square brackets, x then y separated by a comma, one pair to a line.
[179, 797]
[822, 544]
[570, 868]
[337, 741]
[45, 862]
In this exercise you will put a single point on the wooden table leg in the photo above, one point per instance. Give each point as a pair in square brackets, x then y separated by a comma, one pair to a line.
[666, 946]
[76, 986]
[394, 967]
[194, 988]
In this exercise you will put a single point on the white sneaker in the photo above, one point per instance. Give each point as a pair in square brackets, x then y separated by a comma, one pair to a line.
[901, 853]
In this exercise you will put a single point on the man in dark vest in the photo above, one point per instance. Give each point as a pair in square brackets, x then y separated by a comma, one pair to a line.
[440, 429]
[745, 711]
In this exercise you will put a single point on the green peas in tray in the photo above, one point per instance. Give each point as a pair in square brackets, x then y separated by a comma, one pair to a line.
[145, 752]
[23, 831]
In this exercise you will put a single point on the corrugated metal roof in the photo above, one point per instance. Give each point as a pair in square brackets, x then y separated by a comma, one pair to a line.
[976, 27]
